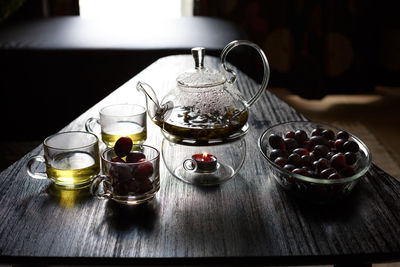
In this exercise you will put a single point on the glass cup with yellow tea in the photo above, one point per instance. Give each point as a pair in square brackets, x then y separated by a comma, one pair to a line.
[120, 120]
[71, 159]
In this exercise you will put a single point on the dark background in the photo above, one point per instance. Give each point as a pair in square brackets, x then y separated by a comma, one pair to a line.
[314, 47]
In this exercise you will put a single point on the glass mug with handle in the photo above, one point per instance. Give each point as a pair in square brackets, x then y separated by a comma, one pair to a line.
[130, 182]
[71, 159]
[120, 120]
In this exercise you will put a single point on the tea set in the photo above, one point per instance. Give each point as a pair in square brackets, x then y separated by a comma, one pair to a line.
[203, 121]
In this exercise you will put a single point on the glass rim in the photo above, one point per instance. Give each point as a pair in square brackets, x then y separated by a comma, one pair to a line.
[131, 163]
[45, 142]
[144, 110]
[357, 175]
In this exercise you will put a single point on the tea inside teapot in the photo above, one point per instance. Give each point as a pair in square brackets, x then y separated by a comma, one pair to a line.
[186, 122]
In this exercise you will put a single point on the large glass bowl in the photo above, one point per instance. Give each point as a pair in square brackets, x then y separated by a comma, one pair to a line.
[317, 190]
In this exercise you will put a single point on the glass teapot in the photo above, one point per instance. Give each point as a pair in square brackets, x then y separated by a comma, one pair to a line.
[204, 105]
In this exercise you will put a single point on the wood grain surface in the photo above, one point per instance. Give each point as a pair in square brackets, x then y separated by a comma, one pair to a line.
[249, 219]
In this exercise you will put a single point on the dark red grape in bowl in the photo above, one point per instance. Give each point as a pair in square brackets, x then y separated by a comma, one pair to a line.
[350, 146]
[134, 157]
[342, 135]
[281, 161]
[123, 146]
[144, 170]
[338, 161]
[276, 142]
[300, 136]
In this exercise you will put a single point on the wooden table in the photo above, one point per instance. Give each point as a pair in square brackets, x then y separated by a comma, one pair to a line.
[248, 220]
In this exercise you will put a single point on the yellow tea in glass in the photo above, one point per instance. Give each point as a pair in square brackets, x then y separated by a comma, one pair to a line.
[71, 159]
[72, 168]
[112, 132]
[120, 120]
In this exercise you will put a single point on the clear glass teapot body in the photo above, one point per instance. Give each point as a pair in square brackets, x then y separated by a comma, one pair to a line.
[205, 113]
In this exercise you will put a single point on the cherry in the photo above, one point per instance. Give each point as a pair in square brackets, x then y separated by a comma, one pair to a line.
[321, 151]
[289, 167]
[313, 156]
[327, 172]
[351, 158]
[290, 143]
[331, 143]
[123, 146]
[120, 172]
[300, 171]
[350, 146]
[330, 154]
[275, 153]
[295, 159]
[334, 176]
[307, 145]
[328, 134]
[289, 134]
[131, 187]
[318, 140]
[305, 168]
[300, 136]
[311, 173]
[276, 142]
[143, 170]
[342, 135]
[134, 157]
[338, 161]
[321, 164]
[306, 160]
[281, 161]
[121, 188]
[301, 151]
[117, 159]
[347, 171]
[317, 132]
[144, 186]
[339, 144]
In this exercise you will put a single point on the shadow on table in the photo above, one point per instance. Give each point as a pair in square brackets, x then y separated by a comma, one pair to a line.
[123, 218]
[339, 211]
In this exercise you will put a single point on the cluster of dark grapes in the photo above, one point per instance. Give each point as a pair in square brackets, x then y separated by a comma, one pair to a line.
[322, 155]
[129, 179]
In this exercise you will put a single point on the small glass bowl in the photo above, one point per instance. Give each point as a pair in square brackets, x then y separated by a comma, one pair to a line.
[317, 190]
[128, 183]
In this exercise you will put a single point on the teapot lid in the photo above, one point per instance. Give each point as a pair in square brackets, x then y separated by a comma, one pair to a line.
[200, 77]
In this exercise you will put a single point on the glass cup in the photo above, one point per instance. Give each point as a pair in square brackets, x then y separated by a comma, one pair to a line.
[128, 183]
[120, 120]
[71, 159]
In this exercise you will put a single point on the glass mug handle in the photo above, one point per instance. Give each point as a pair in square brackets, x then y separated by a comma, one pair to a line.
[265, 80]
[89, 122]
[29, 165]
[94, 187]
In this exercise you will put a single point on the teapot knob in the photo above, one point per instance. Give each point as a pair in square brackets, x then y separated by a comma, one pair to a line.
[198, 55]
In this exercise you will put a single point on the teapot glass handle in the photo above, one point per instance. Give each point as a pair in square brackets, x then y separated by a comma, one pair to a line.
[265, 80]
